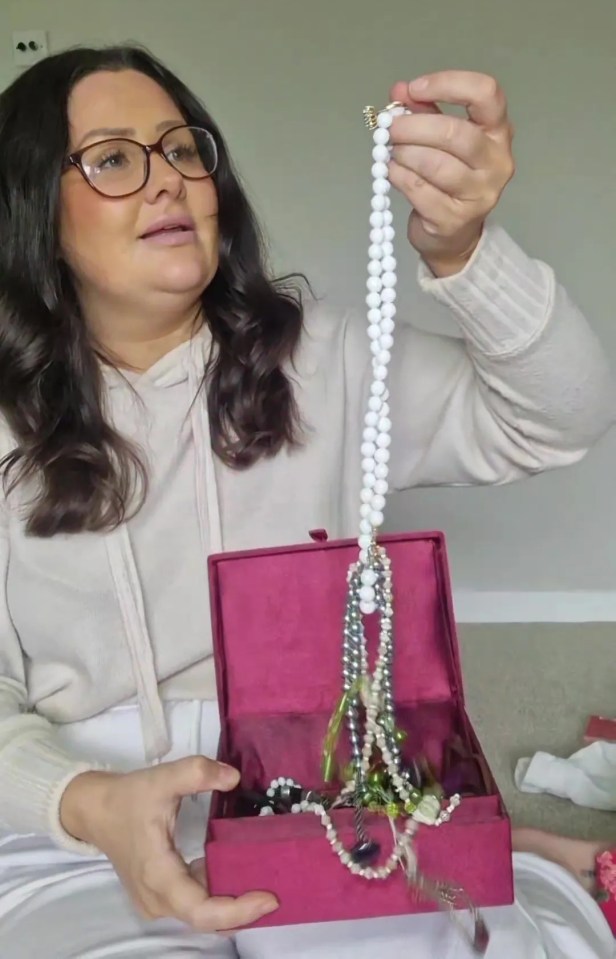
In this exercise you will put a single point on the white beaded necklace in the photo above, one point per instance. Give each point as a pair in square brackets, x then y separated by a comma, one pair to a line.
[370, 581]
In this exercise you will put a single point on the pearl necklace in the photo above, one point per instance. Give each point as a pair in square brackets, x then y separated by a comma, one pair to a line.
[370, 581]
[370, 585]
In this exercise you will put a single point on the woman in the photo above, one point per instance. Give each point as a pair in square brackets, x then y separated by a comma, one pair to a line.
[162, 399]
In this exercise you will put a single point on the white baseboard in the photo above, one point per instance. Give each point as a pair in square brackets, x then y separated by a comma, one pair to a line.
[575, 606]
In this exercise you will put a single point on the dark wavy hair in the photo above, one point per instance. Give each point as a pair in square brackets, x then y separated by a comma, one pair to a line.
[82, 473]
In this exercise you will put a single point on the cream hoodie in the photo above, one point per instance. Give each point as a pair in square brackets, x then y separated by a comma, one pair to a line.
[94, 620]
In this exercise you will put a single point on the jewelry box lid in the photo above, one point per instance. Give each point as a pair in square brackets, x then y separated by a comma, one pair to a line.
[277, 622]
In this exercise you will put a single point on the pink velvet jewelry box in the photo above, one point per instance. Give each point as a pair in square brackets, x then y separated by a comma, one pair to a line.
[277, 623]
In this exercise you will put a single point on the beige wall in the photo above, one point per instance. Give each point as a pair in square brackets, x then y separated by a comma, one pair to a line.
[287, 80]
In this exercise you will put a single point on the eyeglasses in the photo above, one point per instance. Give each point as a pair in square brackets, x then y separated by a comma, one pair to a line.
[121, 167]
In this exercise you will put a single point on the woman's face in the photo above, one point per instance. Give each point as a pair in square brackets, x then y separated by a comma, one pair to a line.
[104, 240]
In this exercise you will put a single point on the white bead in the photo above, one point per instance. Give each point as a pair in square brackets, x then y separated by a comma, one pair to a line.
[385, 406]
[374, 331]
[368, 577]
[388, 247]
[376, 518]
[366, 494]
[373, 299]
[371, 418]
[363, 556]
[389, 279]
[384, 427]
[384, 119]
[388, 232]
[367, 594]
[386, 340]
[378, 500]
[377, 388]
[381, 470]
[370, 434]
[375, 268]
[374, 283]
[380, 488]
[378, 202]
[381, 186]
[375, 347]
[376, 220]
[374, 250]
[364, 541]
[389, 263]
[380, 372]
[380, 136]
[388, 310]
[388, 218]
[387, 296]
[374, 316]
[369, 481]
[383, 357]
[365, 526]
[380, 154]
[368, 449]
[375, 403]
[367, 608]
[387, 324]
[368, 465]
[365, 509]
[383, 440]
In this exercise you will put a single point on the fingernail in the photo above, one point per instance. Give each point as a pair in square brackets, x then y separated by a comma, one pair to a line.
[228, 773]
[420, 83]
[266, 907]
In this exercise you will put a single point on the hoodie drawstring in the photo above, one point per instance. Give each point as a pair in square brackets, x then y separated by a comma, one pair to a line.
[130, 598]
[126, 576]
[206, 486]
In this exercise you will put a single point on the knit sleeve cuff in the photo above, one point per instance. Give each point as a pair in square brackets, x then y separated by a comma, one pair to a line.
[502, 298]
[34, 774]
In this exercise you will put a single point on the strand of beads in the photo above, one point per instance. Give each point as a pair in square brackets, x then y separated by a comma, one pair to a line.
[397, 856]
[370, 580]
[381, 303]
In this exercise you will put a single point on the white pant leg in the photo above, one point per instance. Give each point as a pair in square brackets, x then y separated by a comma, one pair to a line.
[58, 906]
[80, 911]
[55, 905]
[553, 918]
[569, 921]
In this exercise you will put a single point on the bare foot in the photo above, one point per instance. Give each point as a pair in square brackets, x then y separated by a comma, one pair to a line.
[577, 856]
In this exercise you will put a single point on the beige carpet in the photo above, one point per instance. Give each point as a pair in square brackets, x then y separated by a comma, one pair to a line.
[531, 687]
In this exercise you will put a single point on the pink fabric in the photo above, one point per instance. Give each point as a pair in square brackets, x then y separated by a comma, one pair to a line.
[277, 624]
[606, 881]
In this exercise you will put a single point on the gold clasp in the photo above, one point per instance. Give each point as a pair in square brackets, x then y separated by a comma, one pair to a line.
[371, 114]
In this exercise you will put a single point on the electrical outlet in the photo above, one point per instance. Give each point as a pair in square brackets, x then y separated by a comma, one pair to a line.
[29, 46]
